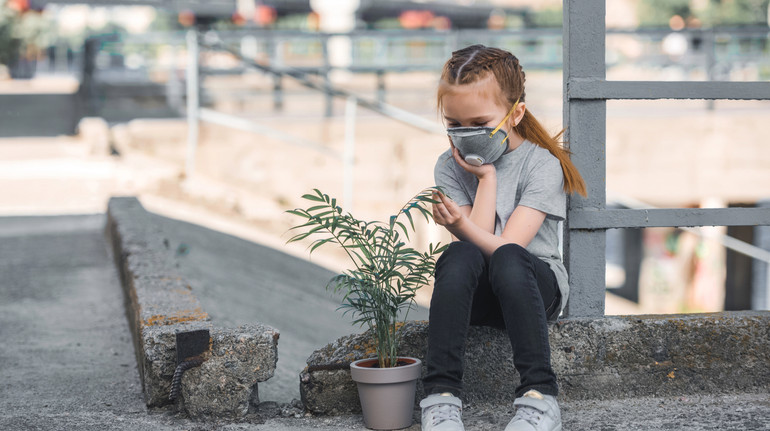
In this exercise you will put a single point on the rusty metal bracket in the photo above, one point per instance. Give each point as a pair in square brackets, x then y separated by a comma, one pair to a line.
[190, 347]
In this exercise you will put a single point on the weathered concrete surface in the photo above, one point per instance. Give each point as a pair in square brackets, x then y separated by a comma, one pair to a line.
[225, 385]
[160, 303]
[614, 357]
[68, 361]
[67, 357]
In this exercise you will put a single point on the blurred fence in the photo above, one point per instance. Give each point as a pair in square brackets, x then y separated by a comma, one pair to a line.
[114, 67]
[126, 76]
[394, 51]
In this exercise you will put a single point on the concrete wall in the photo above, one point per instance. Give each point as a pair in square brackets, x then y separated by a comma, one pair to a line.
[39, 114]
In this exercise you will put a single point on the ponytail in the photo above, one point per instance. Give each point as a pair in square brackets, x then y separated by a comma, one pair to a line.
[531, 129]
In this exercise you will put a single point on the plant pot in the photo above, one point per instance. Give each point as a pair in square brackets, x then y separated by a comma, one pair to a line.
[386, 394]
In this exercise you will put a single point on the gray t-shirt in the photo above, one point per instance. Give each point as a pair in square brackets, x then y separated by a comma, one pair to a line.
[529, 175]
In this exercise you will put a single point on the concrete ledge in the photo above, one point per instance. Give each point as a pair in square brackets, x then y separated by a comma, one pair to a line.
[612, 357]
[160, 303]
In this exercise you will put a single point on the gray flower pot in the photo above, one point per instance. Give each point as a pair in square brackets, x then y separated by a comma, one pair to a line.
[386, 394]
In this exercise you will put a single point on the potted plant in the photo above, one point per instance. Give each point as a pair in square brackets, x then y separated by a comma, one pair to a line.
[381, 287]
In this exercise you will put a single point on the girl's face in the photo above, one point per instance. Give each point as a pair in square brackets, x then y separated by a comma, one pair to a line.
[477, 105]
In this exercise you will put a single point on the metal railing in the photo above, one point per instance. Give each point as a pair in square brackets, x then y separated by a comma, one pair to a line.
[586, 91]
[150, 63]
[727, 241]
[195, 113]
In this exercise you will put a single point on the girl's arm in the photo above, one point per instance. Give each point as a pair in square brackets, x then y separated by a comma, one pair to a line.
[522, 226]
[484, 209]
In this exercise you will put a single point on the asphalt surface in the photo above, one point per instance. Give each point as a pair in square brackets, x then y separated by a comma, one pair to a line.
[67, 357]
[67, 361]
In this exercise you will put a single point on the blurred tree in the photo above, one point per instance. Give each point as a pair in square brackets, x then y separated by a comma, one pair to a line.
[548, 17]
[22, 32]
[658, 13]
[8, 44]
[736, 12]
[710, 13]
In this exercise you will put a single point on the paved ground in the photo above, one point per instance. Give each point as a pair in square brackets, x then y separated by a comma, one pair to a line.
[68, 362]
[67, 357]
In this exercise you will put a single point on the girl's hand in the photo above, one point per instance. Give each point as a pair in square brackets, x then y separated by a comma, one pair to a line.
[447, 213]
[485, 170]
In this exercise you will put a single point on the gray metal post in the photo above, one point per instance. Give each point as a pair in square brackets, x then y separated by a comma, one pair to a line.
[709, 46]
[193, 104]
[174, 84]
[760, 289]
[277, 61]
[348, 155]
[585, 121]
[277, 92]
[329, 110]
[381, 85]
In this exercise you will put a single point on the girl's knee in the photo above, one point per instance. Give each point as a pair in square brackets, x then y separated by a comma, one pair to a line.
[460, 254]
[459, 268]
[509, 265]
[510, 255]
[462, 249]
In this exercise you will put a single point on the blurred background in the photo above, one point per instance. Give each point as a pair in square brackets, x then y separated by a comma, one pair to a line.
[223, 113]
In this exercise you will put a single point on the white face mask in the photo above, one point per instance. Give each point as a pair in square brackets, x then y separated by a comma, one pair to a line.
[480, 145]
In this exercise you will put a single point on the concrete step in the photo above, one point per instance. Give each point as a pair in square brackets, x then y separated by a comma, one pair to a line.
[607, 358]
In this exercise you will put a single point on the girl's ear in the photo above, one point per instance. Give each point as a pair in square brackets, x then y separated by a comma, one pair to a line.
[518, 114]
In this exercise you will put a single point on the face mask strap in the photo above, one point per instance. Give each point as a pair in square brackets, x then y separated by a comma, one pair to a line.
[505, 119]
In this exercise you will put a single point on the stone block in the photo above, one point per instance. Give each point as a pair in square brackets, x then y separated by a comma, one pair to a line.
[225, 385]
[160, 303]
[606, 358]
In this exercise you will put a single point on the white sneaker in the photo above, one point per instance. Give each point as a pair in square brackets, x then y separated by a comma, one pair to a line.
[535, 412]
[442, 412]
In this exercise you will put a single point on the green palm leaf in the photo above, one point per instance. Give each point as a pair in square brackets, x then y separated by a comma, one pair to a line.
[387, 273]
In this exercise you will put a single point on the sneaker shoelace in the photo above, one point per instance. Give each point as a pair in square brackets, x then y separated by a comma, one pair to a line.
[444, 412]
[530, 414]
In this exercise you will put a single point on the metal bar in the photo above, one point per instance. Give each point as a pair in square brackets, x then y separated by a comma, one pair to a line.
[193, 104]
[709, 46]
[277, 93]
[585, 121]
[675, 217]
[381, 85]
[587, 282]
[758, 30]
[248, 125]
[599, 89]
[348, 155]
[327, 69]
[760, 289]
[401, 115]
[735, 244]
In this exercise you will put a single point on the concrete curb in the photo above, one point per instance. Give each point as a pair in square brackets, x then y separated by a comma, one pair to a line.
[608, 358]
[160, 304]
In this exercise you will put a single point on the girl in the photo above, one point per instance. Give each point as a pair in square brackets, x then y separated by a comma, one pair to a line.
[503, 268]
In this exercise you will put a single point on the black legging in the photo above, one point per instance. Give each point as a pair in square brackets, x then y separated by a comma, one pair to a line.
[507, 291]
